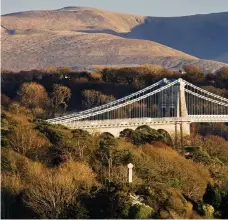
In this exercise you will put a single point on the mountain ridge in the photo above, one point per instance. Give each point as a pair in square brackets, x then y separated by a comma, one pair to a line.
[52, 35]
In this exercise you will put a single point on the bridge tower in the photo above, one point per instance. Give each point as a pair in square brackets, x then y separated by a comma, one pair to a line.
[172, 103]
[181, 101]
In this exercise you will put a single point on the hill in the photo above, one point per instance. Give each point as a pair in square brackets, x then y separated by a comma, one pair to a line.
[75, 37]
[203, 36]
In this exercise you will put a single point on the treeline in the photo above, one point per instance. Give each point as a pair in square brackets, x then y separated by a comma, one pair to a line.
[52, 92]
[34, 97]
[112, 82]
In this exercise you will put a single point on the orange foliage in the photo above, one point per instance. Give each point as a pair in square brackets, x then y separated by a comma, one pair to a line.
[169, 167]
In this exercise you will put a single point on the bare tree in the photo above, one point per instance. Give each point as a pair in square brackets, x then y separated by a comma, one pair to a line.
[82, 140]
[55, 190]
[108, 149]
[23, 139]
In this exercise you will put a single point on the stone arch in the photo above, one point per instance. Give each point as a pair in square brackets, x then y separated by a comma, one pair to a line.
[106, 134]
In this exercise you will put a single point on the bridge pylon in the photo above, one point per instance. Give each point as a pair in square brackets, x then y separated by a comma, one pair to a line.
[172, 102]
[181, 103]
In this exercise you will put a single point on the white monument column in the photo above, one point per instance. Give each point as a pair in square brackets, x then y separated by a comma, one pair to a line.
[130, 166]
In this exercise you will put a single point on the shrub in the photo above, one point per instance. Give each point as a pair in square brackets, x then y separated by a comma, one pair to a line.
[208, 210]
[219, 174]
[112, 202]
[140, 212]
[198, 154]
[166, 137]
[142, 135]
[212, 196]
[167, 202]
[16, 108]
[127, 134]
[216, 146]
[50, 131]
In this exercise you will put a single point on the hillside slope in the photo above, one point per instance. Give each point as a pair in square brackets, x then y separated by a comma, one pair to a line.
[204, 36]
[75, 36]
[40, 50]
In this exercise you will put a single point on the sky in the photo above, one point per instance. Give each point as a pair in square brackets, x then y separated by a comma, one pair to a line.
[163, 8]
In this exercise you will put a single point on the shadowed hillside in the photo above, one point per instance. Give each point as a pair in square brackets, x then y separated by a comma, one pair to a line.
[204, 36]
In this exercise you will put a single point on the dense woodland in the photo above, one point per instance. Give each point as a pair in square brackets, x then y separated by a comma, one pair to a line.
[49, 171]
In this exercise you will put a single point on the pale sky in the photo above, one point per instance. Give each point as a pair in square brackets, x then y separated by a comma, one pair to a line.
[163, 8]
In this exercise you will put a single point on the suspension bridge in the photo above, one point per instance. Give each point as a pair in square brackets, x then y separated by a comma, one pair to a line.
[171, 105]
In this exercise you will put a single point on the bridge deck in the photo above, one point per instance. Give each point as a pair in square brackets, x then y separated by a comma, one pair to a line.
[208, 118]
[145, 121]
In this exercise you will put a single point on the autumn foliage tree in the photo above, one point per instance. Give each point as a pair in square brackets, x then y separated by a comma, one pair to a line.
[33, 96]
[92, 98]
[193, 74]
[60, 96]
